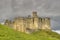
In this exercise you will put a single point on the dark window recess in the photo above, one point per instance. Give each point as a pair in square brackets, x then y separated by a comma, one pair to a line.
[28, 29]
[33, 20]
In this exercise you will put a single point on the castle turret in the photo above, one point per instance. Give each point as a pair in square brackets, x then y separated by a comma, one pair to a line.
[43, 23]
[40, 23]
[19, 24]
[46, 23]
[35, 20]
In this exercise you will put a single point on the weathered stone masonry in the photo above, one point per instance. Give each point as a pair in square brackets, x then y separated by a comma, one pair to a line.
[30, 23]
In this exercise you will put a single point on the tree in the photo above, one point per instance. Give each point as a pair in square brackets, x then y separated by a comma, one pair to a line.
[7, 22]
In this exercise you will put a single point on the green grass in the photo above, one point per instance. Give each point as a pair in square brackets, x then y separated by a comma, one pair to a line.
[7, 33]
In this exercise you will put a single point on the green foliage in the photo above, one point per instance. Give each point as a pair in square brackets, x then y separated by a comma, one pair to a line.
[7, 22]
[7, 33]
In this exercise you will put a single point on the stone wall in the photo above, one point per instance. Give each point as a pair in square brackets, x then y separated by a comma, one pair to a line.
[28, 24]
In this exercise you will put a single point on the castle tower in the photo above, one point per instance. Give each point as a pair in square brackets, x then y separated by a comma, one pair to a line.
[19, 24]
[35, 20]
[15, 23]
[43, 23]
[40, 23]
[31, 23]
[46, 23]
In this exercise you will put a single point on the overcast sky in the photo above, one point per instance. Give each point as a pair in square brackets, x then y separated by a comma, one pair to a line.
[45, 8]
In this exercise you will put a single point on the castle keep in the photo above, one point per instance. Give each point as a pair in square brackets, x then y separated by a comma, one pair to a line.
[30, 23]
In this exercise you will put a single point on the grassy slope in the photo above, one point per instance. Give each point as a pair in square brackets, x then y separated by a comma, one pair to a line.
[7, 33]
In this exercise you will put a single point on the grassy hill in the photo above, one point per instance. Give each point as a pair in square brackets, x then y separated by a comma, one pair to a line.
[7, 33]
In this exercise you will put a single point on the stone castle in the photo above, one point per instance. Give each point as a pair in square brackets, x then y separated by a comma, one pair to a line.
[30, 23]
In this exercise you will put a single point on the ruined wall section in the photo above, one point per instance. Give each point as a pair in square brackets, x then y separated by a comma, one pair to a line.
[40, 23]
[19, 24]
[45, 23]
